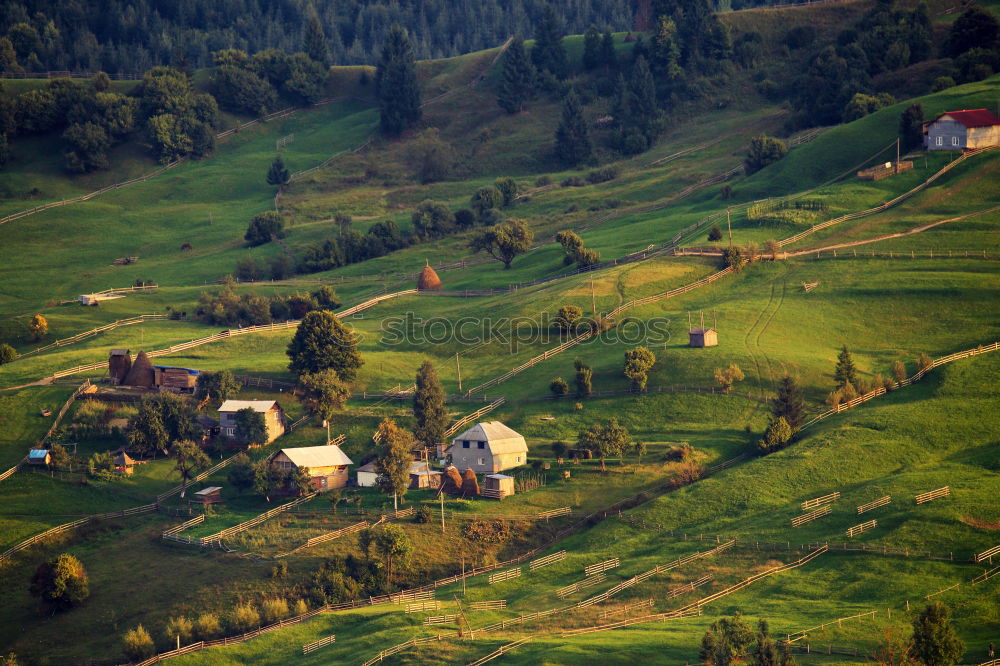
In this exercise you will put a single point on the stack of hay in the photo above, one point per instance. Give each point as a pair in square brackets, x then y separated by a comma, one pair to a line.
[428, 280]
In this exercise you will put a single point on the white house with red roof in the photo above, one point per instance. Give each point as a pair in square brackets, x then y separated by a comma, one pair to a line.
[963, 130]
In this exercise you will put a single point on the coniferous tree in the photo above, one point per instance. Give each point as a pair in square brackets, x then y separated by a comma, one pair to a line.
[428, 407]
[517, 79]
[572, 138]
[845, 373]
[278, 174]
[396, 84]
[548, 53]
[609, 58]
[911, 130]
[934, 638]
[638, 117]
[314, 39]
[591, 48]
[789, 403]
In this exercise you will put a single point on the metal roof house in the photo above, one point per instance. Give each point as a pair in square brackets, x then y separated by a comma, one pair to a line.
[489, 447]
[327, 464]
[967, 129]
[39, 457]
[274, 416]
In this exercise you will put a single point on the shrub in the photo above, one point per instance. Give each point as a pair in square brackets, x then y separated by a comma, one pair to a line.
[578, 407]
[7, 353]
[248, 269]
[681, 452]
[280, 569]
[567, 317]
[207, 626]
[263, 227]
[602, 175]
[244, 618]
[422, 515]
[686, 474]
[61, 582]
[138, 644]
[726, 192]
[508, 190]
[464, 218]
[923, 361]
[301, 607]
[715, 234]
[559, 387]
[942, 83]
[274, 609]
[181, 627]
[542, 181]
[763, 150]
[573, 181]
[487, 531]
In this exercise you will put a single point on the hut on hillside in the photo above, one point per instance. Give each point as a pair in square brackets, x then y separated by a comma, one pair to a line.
[119, 363]
[703, 337]
[141, 373]
[175, 379]
[39, 457]
[428, 280]
[209, 495]
[327, 465]
[498, 486]
[422, 476]
[124, 464]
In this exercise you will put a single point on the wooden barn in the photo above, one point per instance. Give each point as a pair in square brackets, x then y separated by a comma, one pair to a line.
[498, 486]
[209, 495]
[119, 363]
[367, 476]
[39, 457]
[422, 476]
[173, 378]
[274, 417]
[967, 129]
[703, 337]
[489, 447]
[141, 373]
[327, 465]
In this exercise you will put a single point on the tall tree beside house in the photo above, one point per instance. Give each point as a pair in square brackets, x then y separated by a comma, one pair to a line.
[218, 386]
[396, 85]
[394, 459]
[572, 137]
[548, 53]
[267, 478]
[314, 39]
[251, 427]
[321, 342]
[911, 126]
[241, 473]
[517, 78]
[845, 372]
[189, 459]
[324, 393]
[278, 173]
[789, 403]
[298, 481]
[428, 407]
[146, 433]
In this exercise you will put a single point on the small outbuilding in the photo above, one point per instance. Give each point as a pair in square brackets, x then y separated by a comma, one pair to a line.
[274, 417]
[367, 476]
[489, 447]
[327, 465]
[124, 463]
[119, 363]
[39, 457]
[967, 129]
[498, 486]
[209, 495]
[173, 378]
[703, 337]
[422, 476]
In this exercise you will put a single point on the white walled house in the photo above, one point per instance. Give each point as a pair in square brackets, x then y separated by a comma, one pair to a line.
[489, 447]
[963, 130]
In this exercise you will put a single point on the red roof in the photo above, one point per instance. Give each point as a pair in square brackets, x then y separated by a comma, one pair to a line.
[973, 117]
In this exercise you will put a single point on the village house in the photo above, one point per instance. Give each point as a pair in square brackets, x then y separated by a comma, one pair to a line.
[489, 447]
[421, 476]
[327, 464]
[963, 130]
[274, 417]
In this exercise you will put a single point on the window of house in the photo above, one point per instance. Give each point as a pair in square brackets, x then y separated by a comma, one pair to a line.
[938, 141]
[482, 445]
[519, 459]
[954, 140]
[482, 461]
[465, 443]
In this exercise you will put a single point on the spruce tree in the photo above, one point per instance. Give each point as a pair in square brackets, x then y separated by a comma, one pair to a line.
[549, 53]
[845, 373]
[428, 407]
[934, 638]
[517, 79]
[314, 39]
[572, 138]
[609, 58]
[644, 110]
[278, 173]
[911, 130]
[789, 403]
[396, 84]
[591, 48]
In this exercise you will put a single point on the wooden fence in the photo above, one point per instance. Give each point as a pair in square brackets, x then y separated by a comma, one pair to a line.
[9, 473]
[200, 477]
[625, 608]
[881, 501]
[986, 555]
[423, 606]
[214, 539]
[689, 587]
[474, 416]
[321, 643]
[62, 412]
[917, 376]
[803, 633]
[858, 529]
[923, 498]
[501, 576]
[496, 604]
[547, 560]
[336, 534]
[573, 588]
[94, 331]
[601, 567]
[621, 624]
[820, 501]
[555, 513]
[441, 619]
[985, 576]
[798, 521]
[399, 648]
[177, 529]
[947, 589]
[499, 652]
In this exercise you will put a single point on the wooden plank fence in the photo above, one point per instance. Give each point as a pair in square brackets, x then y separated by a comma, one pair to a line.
[474, 416]
[441, 619]
[321, 643]
[572, 588]
[986, 555]
[214, 539]
[881, 501]
[547, 560]
[625, 608]
[689, 587]
[932, 495]
[554, 513]
[336, 534]
[200, 477]
[985, 576]
[804, 633]
[499, 652]
[399, 648]
[423, 606]
[858, 529]
[798, 521]
[403, 597]
[621, 624]
[601, 567]
[62, 411]
[496, 604]
[177, 529]
[403, 513]
[947, 589]
[138, 319]
[820, 501]
[501, 576]
[9, 473]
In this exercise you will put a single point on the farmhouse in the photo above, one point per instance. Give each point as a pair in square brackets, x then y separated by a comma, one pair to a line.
[274, 416]
[703, 337]
[327, 465]
[963, 130]
[489, 447]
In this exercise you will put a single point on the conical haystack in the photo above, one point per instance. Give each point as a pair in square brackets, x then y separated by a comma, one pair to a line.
[470, 484]
[141, 372]
[451, 483]
[428, 280]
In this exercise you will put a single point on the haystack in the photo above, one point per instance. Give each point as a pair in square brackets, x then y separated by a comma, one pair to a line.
[470, 484]
[428, 280]
[452, 481]
[141, 372]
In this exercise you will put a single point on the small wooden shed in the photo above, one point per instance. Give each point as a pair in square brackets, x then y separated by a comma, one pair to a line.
[209, 495]
[174, 378]
[422, 476]
[39, 457]
[124, 463]
[119, 363]
[498, 486]
[703, 337]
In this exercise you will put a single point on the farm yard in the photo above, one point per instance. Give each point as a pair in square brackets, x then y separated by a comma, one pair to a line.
[642, 509]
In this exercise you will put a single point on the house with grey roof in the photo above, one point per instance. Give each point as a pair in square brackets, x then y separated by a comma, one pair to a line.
[489, 447]
[327, 465]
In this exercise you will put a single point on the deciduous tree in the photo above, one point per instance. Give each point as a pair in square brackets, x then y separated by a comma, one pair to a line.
[504, 242]
[583, 378]
[251, 427]
[559, 387]
[727, 377]
[38, 327]
[638, 363]
[188, 460]
[763, 150]
[324, 393]
[394, 459]
[61, 583]
[241, 473]
[218, 386]
[393, 549]
[321, 342]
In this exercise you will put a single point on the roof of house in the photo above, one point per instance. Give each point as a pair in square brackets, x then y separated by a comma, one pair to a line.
[701, 331]
[368, 467]
[124, 459]
[972, 117]
[422, 469]
[501, 438]
[255, 405]
[37, 454]
[317, 456]
[209, 490]
[177, 367]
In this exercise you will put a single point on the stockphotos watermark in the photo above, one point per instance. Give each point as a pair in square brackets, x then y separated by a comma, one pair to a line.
[514, 333]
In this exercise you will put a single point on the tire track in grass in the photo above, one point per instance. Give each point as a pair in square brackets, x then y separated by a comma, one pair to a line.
[760, 333]
[753, 357]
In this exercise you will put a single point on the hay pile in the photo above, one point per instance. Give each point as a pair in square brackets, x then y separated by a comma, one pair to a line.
[428, 280]
[470, 484]
[451, 481]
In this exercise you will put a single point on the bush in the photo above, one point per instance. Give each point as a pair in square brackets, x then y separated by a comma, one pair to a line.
[573, 181]
[726, 192]
[207, 626]
[7, 353]
[688, 473]
[559, 387]
[487, 531]
[715, 234]
[681, 452]
[602, 175]
[301, 607]
[942, 83]
[763, 150]
[138, 644]
[800, 36]
[262, 227]
[542, 181]
[61, 582]
[274, 610]
[179, 626]
[422, 515]
[280, 569]
[244, 618]
[464, 218]
[248, 269]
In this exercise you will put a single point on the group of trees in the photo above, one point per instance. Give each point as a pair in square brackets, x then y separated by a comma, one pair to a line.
[575, 252]
[228, 308]
[730, 640]
[605, 440]
[787, 415]
[253, 84]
